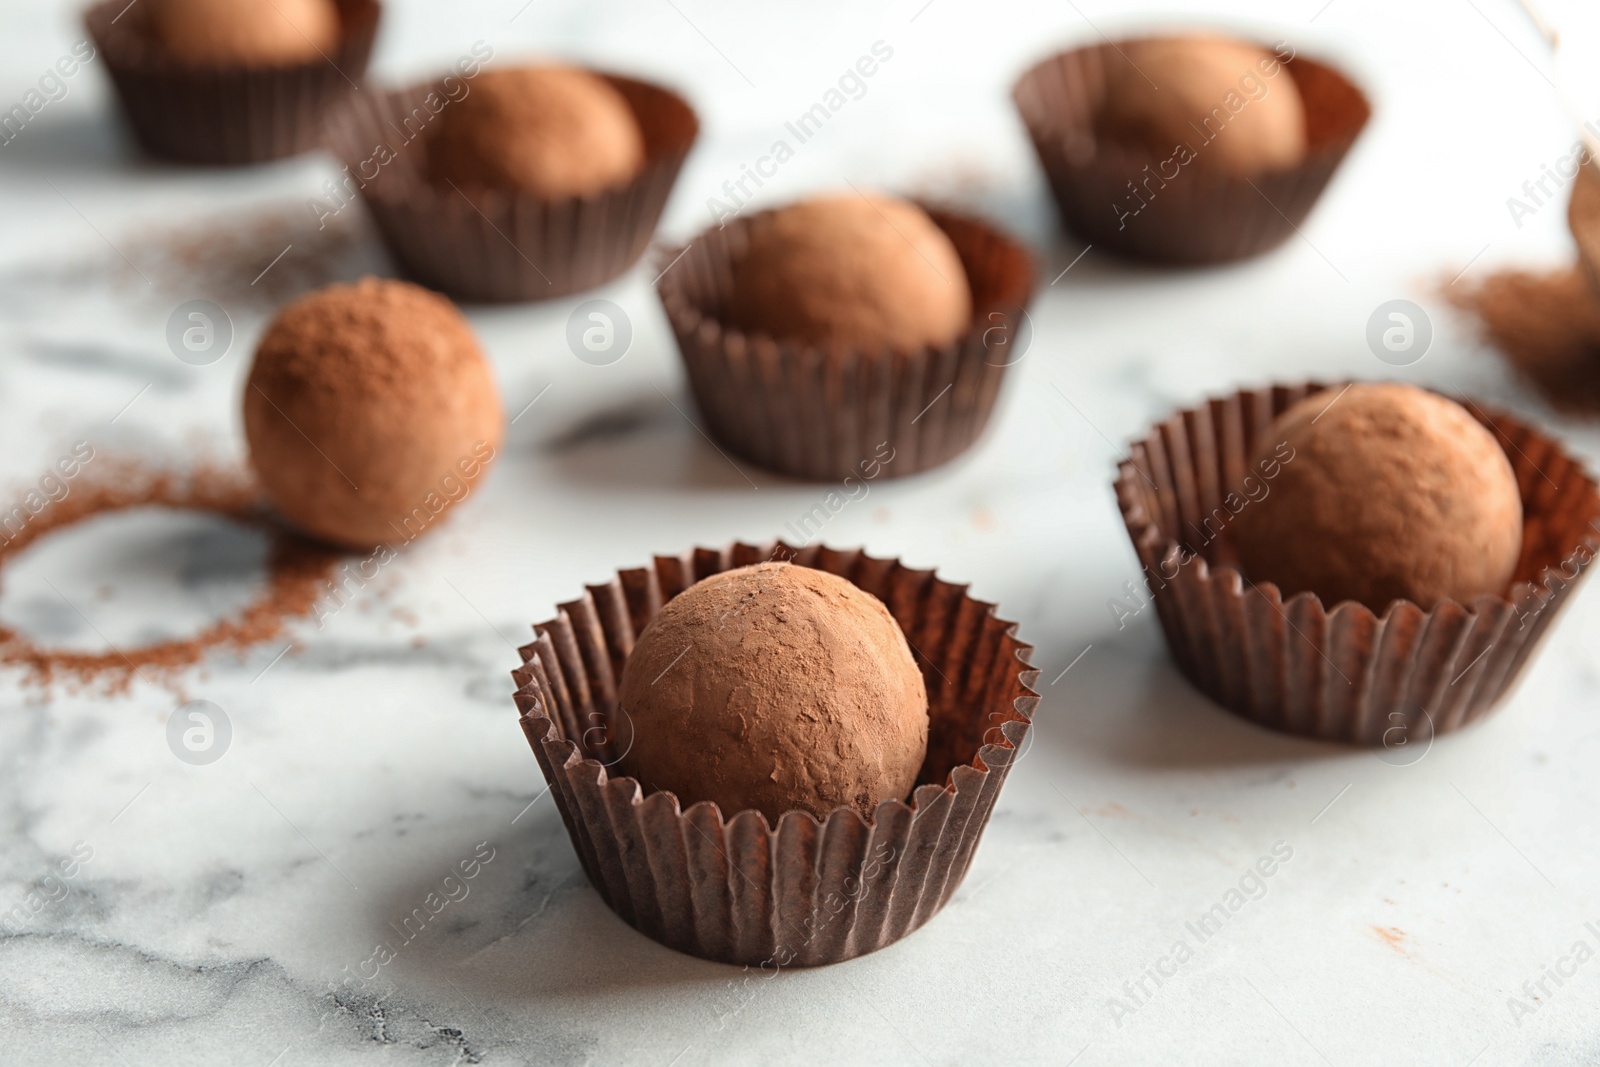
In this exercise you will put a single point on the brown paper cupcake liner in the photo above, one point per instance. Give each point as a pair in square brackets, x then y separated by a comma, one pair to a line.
[802, 893]
[1343, 674]
[822, 413]
[1200, 215]
[227, 115]
[498, 246]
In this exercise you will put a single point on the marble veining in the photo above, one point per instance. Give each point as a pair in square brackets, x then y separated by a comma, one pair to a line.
[303, 900]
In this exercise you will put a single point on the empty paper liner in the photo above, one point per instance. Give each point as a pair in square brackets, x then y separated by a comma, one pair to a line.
[1123, 198]
[802, 893]
[819, 413]
[504, 245]
[227, 114]
[1343, 673]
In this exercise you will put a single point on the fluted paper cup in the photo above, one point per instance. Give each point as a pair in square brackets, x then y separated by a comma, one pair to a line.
[1340, 672]
[496, 246]
[725, 885]
[817, 412]
[227, 114]
[1203, 214]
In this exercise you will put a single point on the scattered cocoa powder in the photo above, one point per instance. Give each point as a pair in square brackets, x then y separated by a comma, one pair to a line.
[258, 257]
[252, 258]
[1547, 326]
[297, 574]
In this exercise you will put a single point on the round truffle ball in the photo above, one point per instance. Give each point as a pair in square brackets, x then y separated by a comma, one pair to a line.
[868, 272]
[548, 131]
[1210, 93]
[369, 411]
[1387, 493]
[245, 32]
[775, 687]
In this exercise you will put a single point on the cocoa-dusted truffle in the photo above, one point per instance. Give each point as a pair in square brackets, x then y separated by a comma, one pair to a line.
[244, 32]
[549, 131]
[1387, 493]
[369, 410]
[869, 272]
[1211, 93]
[775, 687]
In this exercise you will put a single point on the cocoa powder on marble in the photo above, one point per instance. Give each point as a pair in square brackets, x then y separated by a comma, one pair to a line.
[298, 571]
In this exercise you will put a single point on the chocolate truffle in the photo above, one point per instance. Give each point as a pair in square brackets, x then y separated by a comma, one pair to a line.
[258, 33]
[369, 411]
[1210, 93]
[550, 132]
[775, 687]
[868, 272]
[1387, 493]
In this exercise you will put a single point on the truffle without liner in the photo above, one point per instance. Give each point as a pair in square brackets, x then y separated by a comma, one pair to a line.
[370, 410]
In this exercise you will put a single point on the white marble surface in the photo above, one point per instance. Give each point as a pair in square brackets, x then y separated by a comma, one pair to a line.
[223, 903]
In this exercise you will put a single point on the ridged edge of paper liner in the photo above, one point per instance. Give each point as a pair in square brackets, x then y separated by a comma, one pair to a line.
[493, 246]
[802, 893]
[228, 116]
[1202, 215]
[818, 413]
[1344, 674]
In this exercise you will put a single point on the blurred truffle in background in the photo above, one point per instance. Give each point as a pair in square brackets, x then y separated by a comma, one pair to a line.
[551, 131]
[1206, 91]
[244, 32]
[862, 271]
